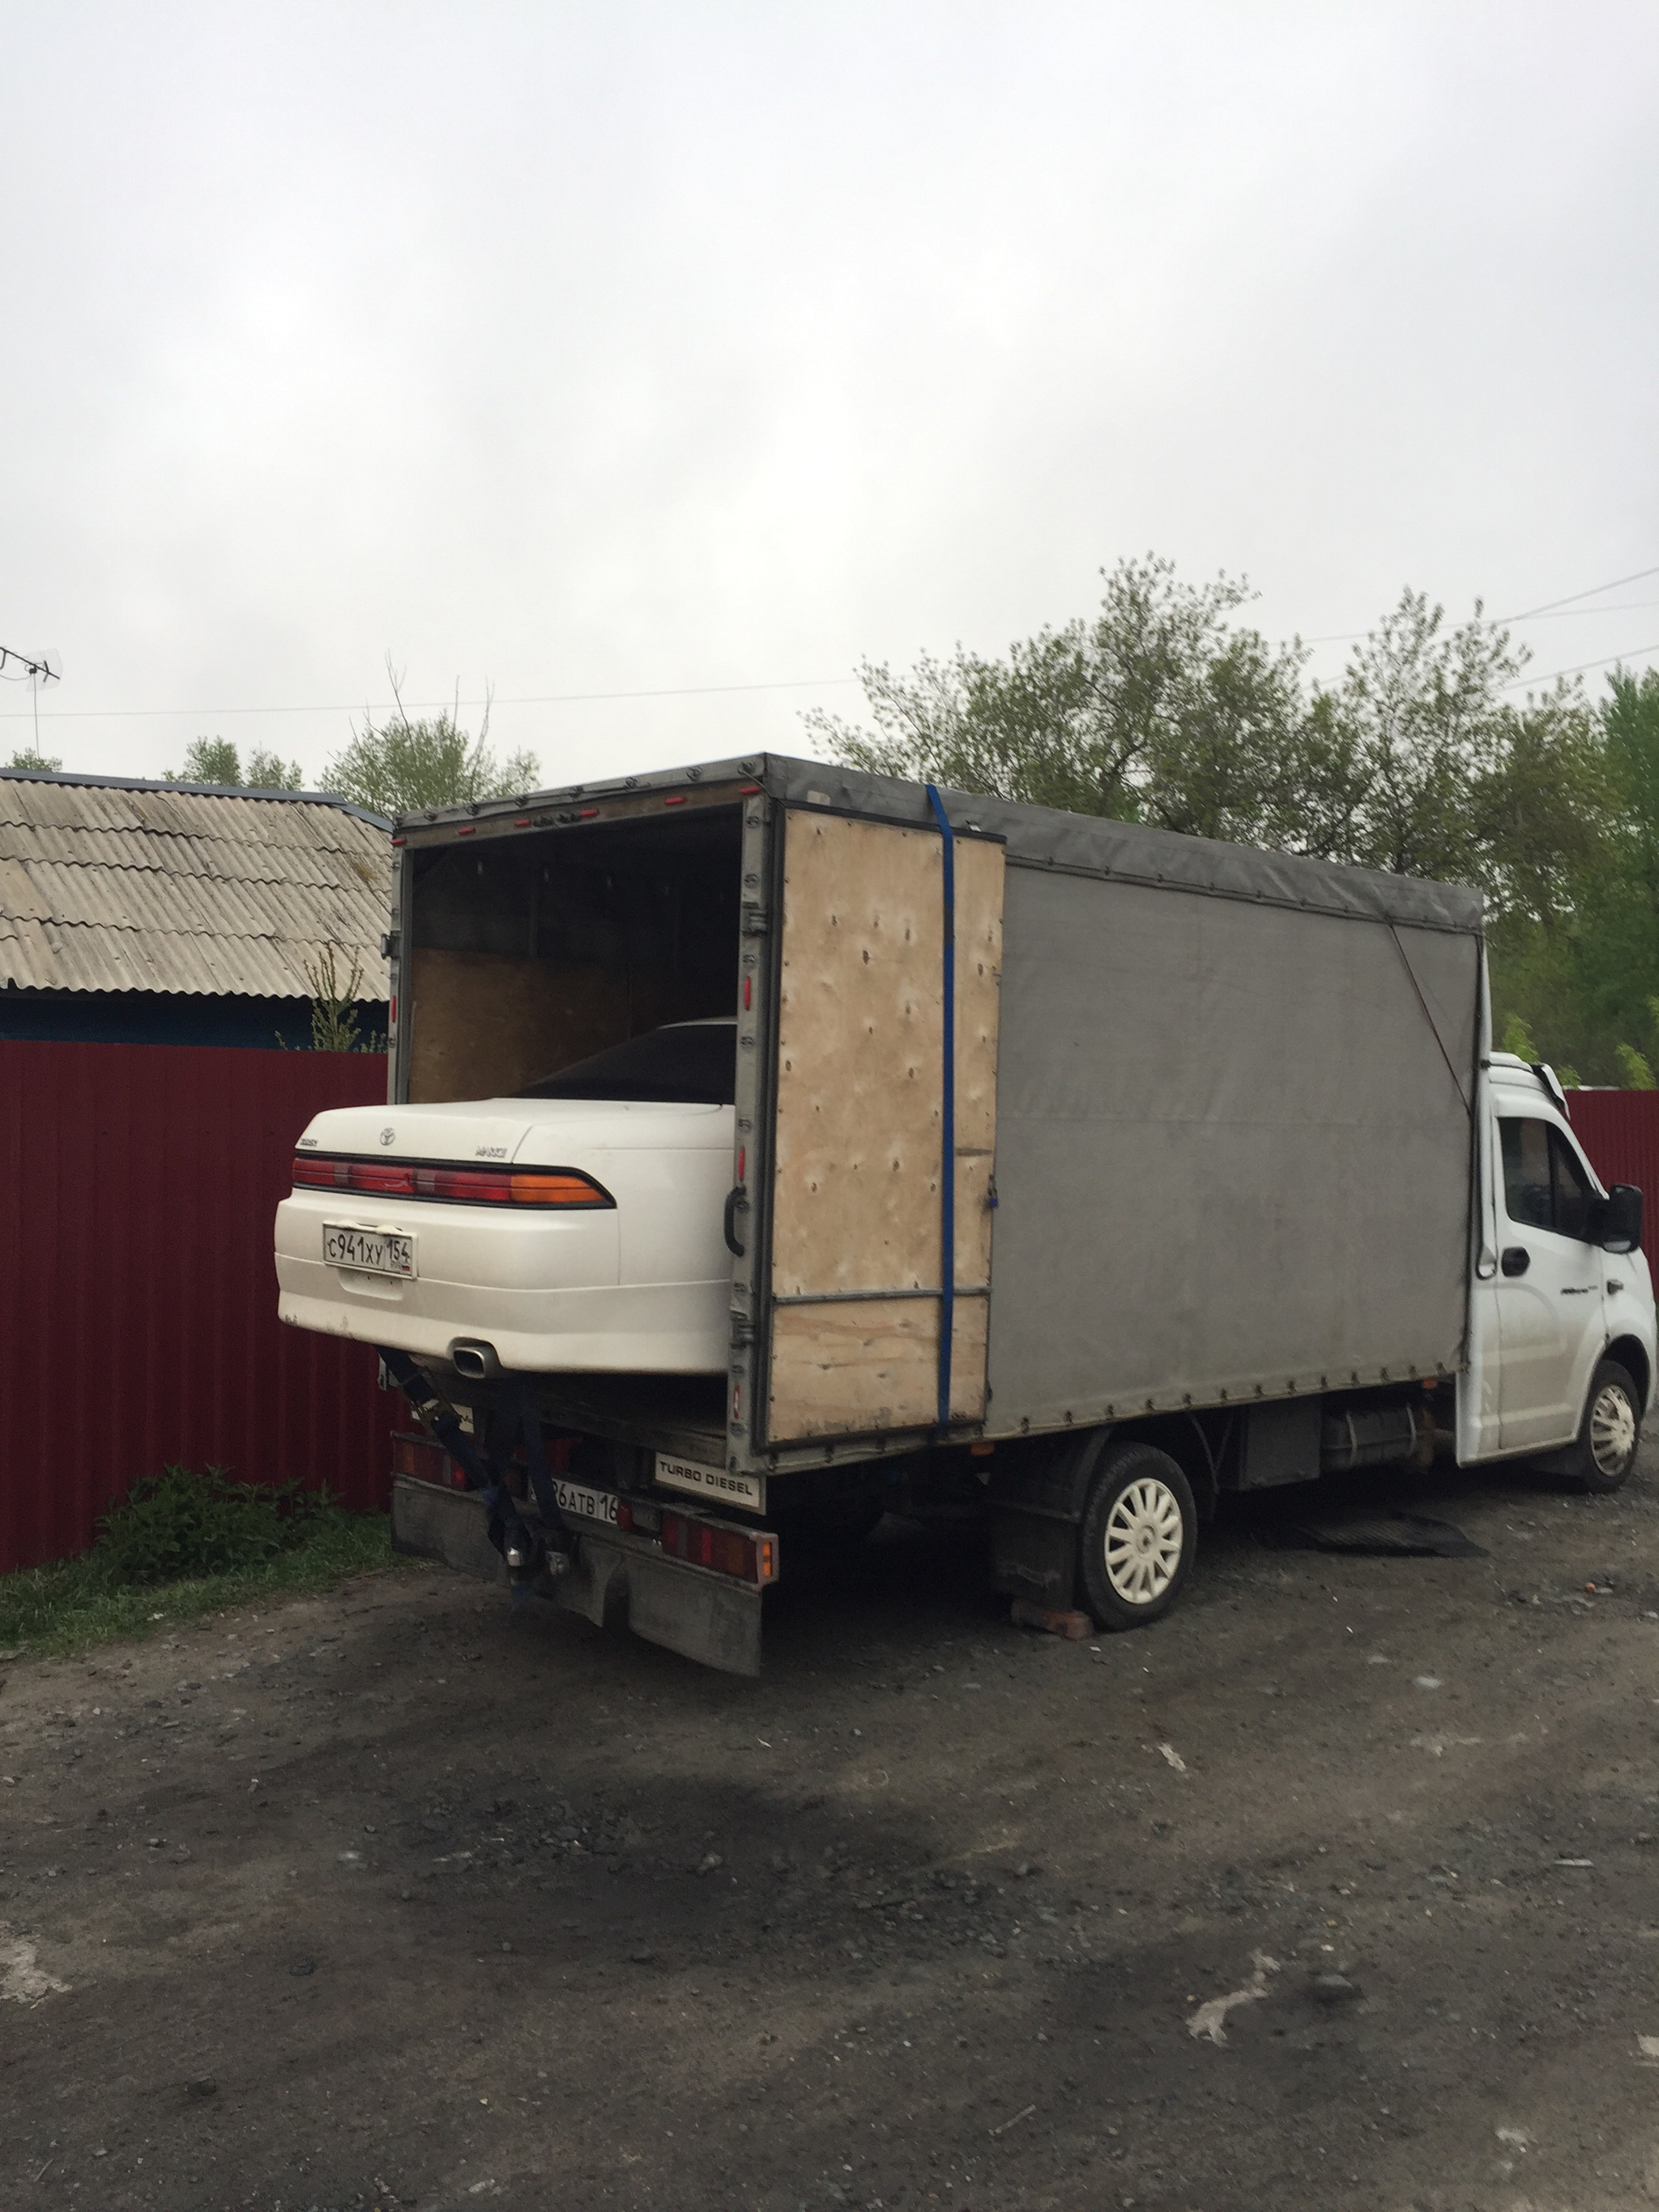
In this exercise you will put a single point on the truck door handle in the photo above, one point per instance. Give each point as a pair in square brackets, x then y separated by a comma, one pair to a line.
[735, 1198]
[1516, 1259]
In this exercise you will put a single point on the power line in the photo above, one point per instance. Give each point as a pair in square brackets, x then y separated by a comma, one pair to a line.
[43, 670]
[1633, 653]
[1529, 614]
[543, 699]
[1577, 614]
[1550, 605]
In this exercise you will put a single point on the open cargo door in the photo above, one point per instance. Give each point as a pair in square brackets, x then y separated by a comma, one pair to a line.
[865, 1216]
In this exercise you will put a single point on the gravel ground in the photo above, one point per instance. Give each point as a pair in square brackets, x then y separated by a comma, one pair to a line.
[1336, 1889]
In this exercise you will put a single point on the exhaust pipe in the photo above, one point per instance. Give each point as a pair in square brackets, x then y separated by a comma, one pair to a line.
[478, 1362]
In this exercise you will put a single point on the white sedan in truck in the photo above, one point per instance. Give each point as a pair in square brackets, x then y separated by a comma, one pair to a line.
[577, 1226]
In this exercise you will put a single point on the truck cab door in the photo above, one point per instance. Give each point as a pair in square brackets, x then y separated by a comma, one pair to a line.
[1548, 1286]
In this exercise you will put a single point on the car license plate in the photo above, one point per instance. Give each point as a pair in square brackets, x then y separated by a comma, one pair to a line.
[370, 1251]
[586, 1505]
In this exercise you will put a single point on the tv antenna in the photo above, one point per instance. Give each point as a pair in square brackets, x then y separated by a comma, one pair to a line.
[48, 669]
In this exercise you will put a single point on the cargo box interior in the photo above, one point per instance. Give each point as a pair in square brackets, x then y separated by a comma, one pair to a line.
[532, 953]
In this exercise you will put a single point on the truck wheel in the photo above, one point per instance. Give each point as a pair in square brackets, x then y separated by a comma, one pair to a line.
[1605, 1450]
[1139, 1531]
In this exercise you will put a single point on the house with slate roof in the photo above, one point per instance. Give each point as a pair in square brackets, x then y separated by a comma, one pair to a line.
[135, 913]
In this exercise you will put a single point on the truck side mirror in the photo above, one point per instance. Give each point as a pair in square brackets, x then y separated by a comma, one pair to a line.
[1619, 1229]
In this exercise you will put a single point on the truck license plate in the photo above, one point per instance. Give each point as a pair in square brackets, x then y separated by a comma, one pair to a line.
[370, 1251]
[586, 1505]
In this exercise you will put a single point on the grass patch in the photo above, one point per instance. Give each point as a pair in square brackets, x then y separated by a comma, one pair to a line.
[181, 1545]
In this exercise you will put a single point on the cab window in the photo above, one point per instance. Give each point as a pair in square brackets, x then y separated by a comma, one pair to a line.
[1572, 1190]
[1545, 1186]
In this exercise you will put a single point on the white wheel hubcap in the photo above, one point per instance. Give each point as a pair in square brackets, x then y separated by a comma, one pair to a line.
[1612, 1431]
[1144, 1535]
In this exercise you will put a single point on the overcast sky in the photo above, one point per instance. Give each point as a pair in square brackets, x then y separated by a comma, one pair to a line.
[634, 349]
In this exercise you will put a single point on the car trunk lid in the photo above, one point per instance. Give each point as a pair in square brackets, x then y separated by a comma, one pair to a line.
[477, 1130]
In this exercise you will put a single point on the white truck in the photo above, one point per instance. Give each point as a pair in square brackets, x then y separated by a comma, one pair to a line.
[770, 1144]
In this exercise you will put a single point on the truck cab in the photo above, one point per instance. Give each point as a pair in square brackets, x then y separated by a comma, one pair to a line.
[1559, 1289]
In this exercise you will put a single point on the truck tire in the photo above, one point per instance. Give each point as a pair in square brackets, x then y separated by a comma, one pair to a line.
[1139, 1529]
[1605, 1449]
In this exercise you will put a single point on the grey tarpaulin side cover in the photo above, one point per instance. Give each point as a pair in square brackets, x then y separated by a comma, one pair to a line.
[1234, 1094]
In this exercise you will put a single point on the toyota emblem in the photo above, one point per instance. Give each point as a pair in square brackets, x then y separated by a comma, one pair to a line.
[387, 1135]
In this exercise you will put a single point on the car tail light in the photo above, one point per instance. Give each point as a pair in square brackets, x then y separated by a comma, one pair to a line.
[474, 1186]
[557, 1187]
[389, 1178]
[750, 1558]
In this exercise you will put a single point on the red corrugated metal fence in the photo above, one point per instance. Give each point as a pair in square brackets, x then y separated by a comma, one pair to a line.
[138, 1292]
[1620, 1131]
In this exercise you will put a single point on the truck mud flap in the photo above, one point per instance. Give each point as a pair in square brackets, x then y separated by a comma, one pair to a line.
[451, 1525]
[703, 1616]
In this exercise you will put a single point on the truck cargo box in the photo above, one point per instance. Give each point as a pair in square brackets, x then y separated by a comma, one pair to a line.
[1205, 1136]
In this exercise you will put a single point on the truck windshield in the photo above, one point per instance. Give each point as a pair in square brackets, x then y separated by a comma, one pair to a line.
[688, 1064]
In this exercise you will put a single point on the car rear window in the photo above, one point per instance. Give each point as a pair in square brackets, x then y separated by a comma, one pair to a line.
[688, 1064]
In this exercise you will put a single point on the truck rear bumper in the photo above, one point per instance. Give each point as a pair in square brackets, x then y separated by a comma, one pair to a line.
[702, 1615]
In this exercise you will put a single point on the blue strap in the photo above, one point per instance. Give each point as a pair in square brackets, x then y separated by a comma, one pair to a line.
[523, 1420]
[517, 1414]
[947, 1180]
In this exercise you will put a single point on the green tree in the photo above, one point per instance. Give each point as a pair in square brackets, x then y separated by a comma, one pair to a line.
[1155, 710]
[1586, 974]
[1517, 1039]
[30, 757]
[1630, 723]
[1160, 708]
[1165, 707]
[400, 765]
[336, 1005]
[1418, 763]
[216, 761]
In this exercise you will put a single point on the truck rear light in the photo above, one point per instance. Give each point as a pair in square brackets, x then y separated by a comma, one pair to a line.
[559, 1187]
[426, 1459]
[748, 1559]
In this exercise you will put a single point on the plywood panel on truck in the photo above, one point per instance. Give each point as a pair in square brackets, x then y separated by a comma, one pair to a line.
[859, 1143]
